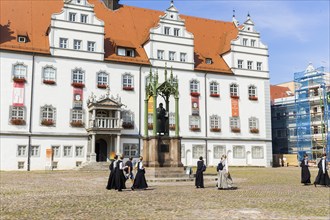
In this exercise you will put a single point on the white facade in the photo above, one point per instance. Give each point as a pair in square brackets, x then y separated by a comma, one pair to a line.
[77, 145]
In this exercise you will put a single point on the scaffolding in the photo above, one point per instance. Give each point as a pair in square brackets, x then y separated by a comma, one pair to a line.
[312, 112]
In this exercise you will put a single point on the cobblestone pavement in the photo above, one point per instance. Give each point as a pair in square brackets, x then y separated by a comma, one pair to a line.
[263, 193]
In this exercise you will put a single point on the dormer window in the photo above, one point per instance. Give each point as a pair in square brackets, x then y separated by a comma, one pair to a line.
[83, 18]
[253, 43]
[245, 41]
[22, 39]
[208, 61]
[72, 16]
[166, 30]
[128, 52]
[176, 32]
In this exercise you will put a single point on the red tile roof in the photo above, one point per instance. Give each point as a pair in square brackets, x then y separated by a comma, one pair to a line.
[126, 26]
[279, 92]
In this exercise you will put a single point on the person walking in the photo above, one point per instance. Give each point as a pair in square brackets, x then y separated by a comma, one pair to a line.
[129, 169]
[305, 174]
[199, 181]
[322, 177]
[111, 181]
[224, 179]
[140, 180]
[119, 174]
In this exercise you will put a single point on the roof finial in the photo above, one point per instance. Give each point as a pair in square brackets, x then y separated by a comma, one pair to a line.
[248, 15]
[233, 13]
[172, 2]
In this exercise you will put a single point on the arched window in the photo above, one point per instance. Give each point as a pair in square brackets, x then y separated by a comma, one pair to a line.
[253, 125]
[252, 92]
[20, 71]
[215, 123]
[234, 90]
[102, 79]
[48, 115]
[127, 81]
[78, 76]
[194, 87]
[49, 75]
[214, 89]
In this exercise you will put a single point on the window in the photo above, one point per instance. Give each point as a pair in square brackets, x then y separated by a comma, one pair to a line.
[49, 74]
[79, 151]
[240, 64]
[72, 16]
[35, 150]
[234, 122]
[125, 52]
[194, 122]
[176, 31]
[239, 152]
[183, 57]
[91, 46]
[21, 151]
[252, 91]
[63, 43]
[218, 151]
[77, 76]
[83, 18]
[259, 65]
[198, 151]
[55, 164]
[102, 79]
[77, 116]
[171, 55]
[128, 119]
[215, 122]
[56, 151]
[249, 65]
[17, 112]
[208, 61]
[194, 86]
[253, 43]
[67, 151]
[166, 30]
[48, 115]
[20, 165]
[257, 152]
[160, 54]
[172, 121]
[245, 41]
[253, 123]
[131, 150]
[77, 44]
[214, 89]
[234, 90]
[22, 39]
[20, 71]
[127, 82]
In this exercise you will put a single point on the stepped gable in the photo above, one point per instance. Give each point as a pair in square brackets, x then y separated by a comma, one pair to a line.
[128, 26]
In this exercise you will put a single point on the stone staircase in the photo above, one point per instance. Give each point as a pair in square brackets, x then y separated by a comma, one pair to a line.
[94, 166]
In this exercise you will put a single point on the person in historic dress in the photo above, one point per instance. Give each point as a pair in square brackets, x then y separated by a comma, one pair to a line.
[305, 174]
[111, 181]
[140, 180]
[322, 177]
[161, 119]
[119, 174]
[199, 181]
[224, 179]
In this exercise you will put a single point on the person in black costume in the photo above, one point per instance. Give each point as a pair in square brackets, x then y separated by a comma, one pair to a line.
[199, 181]
[140, 180]
[119, 175]
[322, 176]
[305, 174]
[111, 180]
[129, 169]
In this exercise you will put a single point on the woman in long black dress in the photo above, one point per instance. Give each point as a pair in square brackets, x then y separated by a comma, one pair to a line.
[140, 179]
[119, 175]
[322, 176]
[305, 174]
[199, 181]
[111, 180]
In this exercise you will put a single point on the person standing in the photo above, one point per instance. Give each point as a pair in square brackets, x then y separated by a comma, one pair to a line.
[199, 181]
[224, 179]
[111, 181]
[129, 169]
[322, 177]
[119, 175]
[140, 179]
[305, 174]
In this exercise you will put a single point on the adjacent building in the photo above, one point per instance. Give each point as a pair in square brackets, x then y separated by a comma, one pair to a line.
[73, 78]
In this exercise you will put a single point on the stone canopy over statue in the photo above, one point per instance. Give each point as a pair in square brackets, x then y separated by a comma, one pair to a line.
[162, 117]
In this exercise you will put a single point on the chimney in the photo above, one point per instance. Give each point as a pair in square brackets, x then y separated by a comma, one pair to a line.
[112, 4]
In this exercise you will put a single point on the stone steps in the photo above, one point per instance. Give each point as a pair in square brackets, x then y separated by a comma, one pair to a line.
[95, 166]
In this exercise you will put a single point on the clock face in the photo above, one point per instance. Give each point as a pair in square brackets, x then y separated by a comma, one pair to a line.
[77, 97]
[195, 105]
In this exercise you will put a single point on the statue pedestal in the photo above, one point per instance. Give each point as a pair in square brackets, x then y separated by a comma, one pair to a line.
[162, 151]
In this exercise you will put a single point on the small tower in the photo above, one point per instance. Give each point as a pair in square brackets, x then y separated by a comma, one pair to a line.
[112, 4]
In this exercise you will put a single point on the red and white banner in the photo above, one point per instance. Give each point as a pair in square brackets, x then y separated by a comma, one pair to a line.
[18, 94]
[77, 98]
[234, 107]
[195, 105]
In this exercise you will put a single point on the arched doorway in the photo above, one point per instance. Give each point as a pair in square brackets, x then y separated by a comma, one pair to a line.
[101, 150]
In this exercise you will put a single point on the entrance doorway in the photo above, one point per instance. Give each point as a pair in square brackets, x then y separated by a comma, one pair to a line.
[101, 150]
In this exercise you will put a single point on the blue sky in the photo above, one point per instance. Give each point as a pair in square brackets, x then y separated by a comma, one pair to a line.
[296, 32]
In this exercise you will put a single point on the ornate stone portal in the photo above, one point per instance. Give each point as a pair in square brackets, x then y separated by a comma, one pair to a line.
[161, 149]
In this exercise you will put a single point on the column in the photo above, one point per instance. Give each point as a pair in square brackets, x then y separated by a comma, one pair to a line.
[93, 154]
[177, 116]
[118, 144]
[154, 130]
[146, 117]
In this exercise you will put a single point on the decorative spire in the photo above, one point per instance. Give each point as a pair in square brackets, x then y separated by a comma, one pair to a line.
[172, 2]
[233, 13]
[248, 15]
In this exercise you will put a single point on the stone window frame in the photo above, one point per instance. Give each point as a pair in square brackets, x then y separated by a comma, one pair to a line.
[47, 67]
[234, 89]
[218, 153]
[21, 72]
[65, 147]
[194, 85]
[259, 154]
[215, 119]
[252, 91]
[131, 149]
[198, 150]
[214, 88]
[21, 151]
[103, 75]
[81, 150]
[78, 75]
[239, 155]
[35, 151]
